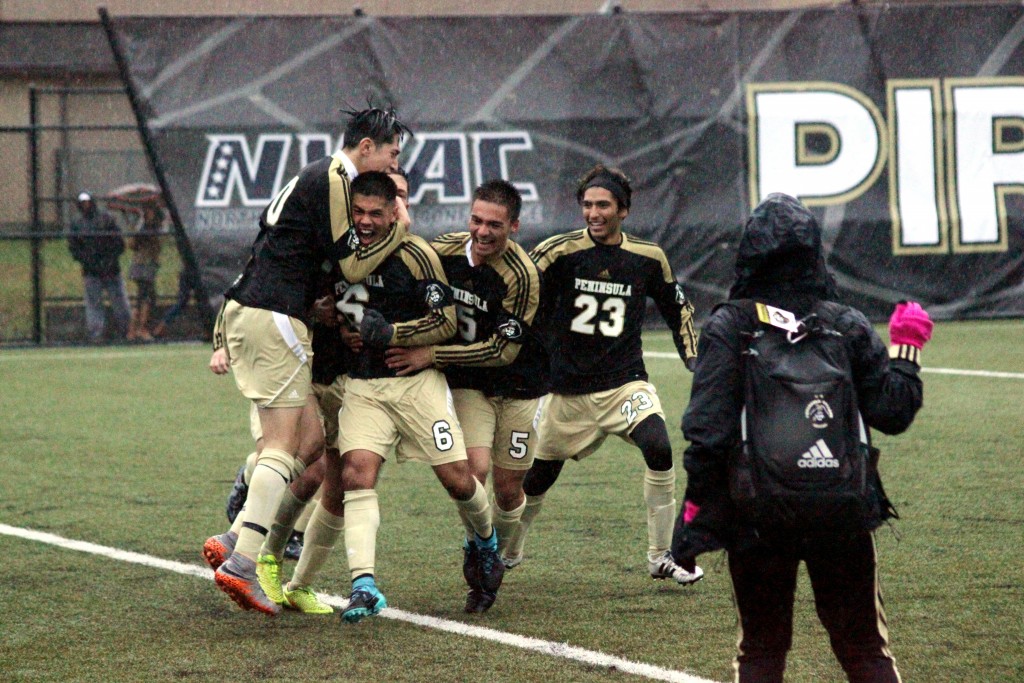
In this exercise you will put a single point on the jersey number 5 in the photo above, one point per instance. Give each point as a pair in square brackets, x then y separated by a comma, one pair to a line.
[467, 324]
[610, 325]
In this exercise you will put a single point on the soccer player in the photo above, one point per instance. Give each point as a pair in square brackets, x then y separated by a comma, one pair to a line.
[324, 526]
[495, 367]
[404, 302]
[266, 334]
[328, 387]
[596, 284]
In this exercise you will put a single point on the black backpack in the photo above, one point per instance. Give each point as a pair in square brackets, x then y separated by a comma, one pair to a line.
[806, 466]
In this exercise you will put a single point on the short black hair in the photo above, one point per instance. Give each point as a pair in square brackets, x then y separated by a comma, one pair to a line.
[502, 193]
[611, 179]
[375, 184]
[399, 171]
[381, 125]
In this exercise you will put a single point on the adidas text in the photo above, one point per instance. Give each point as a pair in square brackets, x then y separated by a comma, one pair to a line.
[816, 456]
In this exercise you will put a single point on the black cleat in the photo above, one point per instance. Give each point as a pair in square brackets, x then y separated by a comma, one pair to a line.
[471, 564]
[239, 492]
[490, 568]
[293, 549]
[478, 600]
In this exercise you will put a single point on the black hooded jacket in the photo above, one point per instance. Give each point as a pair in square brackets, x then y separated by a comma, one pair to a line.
[95, 241]
[779, 263]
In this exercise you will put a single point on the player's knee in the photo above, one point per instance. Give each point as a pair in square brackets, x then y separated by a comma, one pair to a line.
[311, 446]
[281, 462]
[457, 479]
[651, 437]
[541, 476]
[508, 488]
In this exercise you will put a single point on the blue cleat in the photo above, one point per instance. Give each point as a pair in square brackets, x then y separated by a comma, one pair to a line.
[366, 600]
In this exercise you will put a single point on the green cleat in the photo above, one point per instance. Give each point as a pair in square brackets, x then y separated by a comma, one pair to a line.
[306, 601]
[268, 573]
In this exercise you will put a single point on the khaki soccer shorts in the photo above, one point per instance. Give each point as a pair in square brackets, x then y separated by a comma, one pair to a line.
[415, 414]
[328, 403]
[508, 426]
[270, 356]
[575, 425]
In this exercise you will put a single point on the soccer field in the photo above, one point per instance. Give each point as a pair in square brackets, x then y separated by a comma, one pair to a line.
[132, 450]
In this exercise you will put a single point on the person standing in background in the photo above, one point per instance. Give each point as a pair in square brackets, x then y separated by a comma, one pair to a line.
[96, 243]
[145, 246]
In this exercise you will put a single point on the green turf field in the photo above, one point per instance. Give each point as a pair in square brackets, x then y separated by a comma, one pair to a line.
[135, 448]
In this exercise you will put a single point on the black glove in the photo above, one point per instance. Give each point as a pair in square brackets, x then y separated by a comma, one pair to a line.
[374, 329]
[691, 363]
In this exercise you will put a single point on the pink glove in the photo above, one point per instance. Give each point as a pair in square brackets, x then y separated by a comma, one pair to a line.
[910, 325]
[690, 510]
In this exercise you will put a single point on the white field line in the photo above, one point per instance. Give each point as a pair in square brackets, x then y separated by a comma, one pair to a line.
[938, 371]
[545, 647]
[109, 355]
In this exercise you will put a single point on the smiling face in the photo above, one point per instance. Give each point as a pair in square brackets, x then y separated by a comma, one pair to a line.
[603, 215]
[489, 229]
[372, 217]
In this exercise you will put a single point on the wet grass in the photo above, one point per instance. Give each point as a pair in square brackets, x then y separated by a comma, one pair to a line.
[135, 448]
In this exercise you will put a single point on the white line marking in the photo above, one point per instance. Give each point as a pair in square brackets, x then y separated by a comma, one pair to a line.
[563, 650]
[42, 355]
[938, 371]
[974, 373]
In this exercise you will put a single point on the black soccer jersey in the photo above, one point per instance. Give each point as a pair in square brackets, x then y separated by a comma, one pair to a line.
[307, 222]
[593, 305]
[495, 350]
[330, 355]
[409, 289]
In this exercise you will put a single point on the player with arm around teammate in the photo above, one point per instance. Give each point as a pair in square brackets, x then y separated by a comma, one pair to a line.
[326, 524]
[596, 284]
[265, 323]
[495, 366]
[404, 302]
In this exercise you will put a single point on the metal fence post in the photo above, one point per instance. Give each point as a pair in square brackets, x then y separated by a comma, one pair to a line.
[37, 257]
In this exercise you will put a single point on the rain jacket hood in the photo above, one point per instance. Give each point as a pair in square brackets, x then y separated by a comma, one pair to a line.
[780, 259]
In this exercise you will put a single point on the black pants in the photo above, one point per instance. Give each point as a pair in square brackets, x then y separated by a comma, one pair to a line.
[846, 597]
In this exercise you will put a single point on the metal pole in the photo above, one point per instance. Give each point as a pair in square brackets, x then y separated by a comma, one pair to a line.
[37, 260]
[65, 143]
[180, 236]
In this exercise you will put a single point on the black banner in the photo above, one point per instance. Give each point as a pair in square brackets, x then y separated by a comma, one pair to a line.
[902, 127]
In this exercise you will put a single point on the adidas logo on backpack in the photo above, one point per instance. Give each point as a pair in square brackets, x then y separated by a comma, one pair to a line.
[817, 455]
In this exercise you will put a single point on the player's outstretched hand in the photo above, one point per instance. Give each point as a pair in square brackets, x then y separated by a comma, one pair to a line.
[375, 330]
[910, 324]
